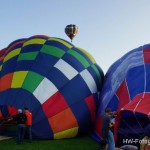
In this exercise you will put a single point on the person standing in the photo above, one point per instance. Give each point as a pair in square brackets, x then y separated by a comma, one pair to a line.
[107, 134]
[28, 123]
[20, 118]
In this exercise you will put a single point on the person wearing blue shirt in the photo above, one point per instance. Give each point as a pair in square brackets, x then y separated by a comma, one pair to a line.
[107, 134]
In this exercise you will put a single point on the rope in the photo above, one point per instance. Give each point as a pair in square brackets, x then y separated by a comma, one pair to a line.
[139, 123]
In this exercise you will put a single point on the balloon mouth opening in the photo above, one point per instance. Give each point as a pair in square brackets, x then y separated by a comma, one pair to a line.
[7, 128]
[7, 111]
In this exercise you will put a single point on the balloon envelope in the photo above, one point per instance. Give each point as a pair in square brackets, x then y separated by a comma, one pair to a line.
[71, 31]
[126, 90]
[57, 81]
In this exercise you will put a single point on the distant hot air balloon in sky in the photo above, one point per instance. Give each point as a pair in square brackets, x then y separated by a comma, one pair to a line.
[57, 81]
[71, 31]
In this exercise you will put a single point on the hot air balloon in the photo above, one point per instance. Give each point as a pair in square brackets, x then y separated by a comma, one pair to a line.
[71, 31]
[57, 81]
[126, 90]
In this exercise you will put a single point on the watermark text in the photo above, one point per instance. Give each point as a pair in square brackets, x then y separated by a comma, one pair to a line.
[136, 141]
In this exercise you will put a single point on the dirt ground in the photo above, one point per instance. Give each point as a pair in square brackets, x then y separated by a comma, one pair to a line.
[4, 138]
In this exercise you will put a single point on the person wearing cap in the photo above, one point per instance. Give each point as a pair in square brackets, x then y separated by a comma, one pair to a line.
[20, 119]
[28, 123]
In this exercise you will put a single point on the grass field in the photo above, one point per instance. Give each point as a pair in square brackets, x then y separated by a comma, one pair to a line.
[79, 143]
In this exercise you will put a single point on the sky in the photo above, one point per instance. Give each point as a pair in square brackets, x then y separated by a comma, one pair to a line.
[108, 29]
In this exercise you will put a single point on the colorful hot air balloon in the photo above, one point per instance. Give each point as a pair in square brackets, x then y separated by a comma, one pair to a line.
[127, 90]
[57, 81]
[71, 31]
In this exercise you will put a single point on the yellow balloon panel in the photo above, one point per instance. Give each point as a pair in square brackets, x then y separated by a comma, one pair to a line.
[18, 79]
[70, 133]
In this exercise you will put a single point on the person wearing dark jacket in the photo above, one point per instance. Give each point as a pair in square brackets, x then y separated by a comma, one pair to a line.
[20, 118]
[107, 134]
